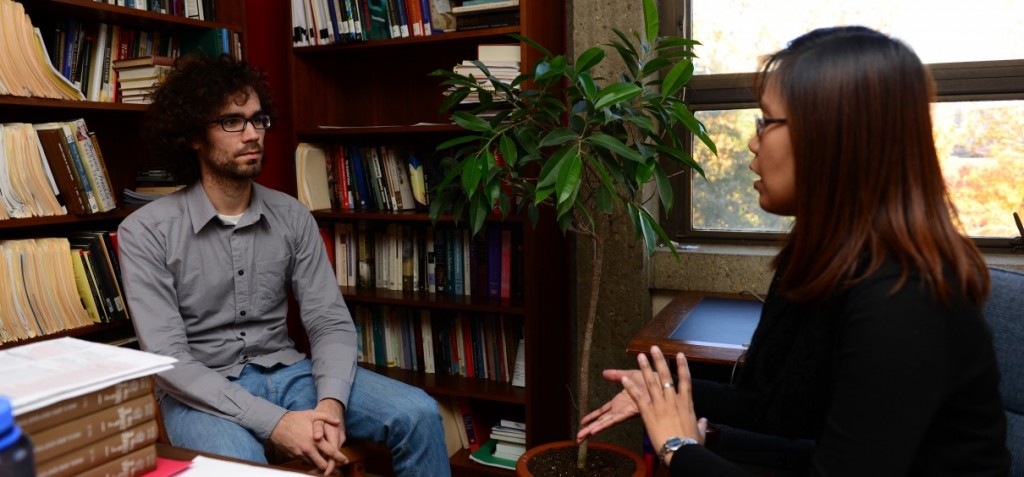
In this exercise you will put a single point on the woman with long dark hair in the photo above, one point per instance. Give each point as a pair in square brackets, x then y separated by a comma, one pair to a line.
[871, 343]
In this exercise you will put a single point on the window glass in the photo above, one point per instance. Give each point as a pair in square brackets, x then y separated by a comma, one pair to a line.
[726, 200]
[980, 146]
[735, 33]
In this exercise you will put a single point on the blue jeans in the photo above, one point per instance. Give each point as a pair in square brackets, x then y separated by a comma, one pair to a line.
[379, 409]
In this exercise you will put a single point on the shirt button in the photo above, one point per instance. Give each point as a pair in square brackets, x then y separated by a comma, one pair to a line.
[242, 313]
[241, 272]
[242, 333]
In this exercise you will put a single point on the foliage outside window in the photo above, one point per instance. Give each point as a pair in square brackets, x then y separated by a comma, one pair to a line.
[978, 120]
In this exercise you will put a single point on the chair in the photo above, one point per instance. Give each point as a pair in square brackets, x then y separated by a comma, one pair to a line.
[1004, 312]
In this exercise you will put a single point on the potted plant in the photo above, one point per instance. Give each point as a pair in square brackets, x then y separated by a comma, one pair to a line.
[591, 149]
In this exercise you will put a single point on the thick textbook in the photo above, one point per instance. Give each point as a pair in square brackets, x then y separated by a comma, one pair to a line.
[72, 408]
[82, 431]
[96, 453]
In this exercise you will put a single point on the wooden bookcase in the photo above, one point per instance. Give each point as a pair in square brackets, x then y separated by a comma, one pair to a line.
[116, 126]
[379, 93]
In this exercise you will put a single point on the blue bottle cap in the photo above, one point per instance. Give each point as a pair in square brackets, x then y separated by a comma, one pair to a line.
[9, 432]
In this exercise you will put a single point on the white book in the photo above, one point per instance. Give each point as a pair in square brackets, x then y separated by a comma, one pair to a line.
[431, 262]
[428, 342]
[299, 32]
[479, 7]
[340, 255]
[500, 52]
[96, 64]
[93, 166]
[510, 424]
[519, 375]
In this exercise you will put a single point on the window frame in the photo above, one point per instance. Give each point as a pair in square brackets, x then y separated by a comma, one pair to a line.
[990, 80]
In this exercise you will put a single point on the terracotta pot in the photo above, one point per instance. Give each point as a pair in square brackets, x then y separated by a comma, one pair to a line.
[521, 464]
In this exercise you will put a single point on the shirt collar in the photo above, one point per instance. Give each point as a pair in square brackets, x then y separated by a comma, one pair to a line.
[201, 211]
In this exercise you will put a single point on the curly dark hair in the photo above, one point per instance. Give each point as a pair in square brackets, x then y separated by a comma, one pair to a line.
[192, 93]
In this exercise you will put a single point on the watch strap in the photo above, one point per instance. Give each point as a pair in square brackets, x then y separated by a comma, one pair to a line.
[673, 444]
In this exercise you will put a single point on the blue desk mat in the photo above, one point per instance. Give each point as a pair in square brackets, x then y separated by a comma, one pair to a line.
[720, 320]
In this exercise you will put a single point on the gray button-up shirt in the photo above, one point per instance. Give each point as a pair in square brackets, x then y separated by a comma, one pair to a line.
[214, 296]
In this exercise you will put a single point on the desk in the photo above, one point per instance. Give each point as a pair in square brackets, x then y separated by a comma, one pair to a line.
[729, 339]
[354, 469]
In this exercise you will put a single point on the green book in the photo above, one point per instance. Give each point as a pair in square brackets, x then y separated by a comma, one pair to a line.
[485, 456]
[379, 21]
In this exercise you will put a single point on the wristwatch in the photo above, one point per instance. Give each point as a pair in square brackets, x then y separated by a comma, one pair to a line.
[673, 444]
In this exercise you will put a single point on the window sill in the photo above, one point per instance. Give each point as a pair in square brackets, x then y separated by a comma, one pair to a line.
[738, 268]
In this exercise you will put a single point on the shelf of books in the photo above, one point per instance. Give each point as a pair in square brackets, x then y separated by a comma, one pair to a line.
[72, 148]
[436, 305]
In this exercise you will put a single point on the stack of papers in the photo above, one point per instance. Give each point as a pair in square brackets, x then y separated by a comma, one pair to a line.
[42, 373]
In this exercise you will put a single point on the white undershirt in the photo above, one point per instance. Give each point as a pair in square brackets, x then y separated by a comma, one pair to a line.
[230, 219]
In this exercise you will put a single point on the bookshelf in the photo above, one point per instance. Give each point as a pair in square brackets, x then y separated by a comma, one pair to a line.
[116, 126]
[379, 93]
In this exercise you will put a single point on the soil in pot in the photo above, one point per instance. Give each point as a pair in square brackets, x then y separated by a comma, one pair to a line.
[561, 462]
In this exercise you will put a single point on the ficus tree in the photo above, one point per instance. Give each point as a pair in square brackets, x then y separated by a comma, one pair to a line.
[592, 149]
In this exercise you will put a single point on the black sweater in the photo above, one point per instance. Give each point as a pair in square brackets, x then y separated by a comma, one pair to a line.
[887, 384]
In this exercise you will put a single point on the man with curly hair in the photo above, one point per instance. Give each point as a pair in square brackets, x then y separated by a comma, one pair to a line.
[207, 271]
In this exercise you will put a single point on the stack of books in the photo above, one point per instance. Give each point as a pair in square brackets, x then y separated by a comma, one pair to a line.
[151, 184]
[479, 14]
[88, 408]
[138, 77]
[507, 442]
[498, 61]
[511, 439]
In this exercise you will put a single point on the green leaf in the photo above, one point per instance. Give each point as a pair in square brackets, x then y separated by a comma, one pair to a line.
[557, 137]
[470, 121]
[509, 152]
[533, 44]
[612, 143]
[479, 207]
[549, 173]
[677, 78]
[671, 42]
[551, 70]
[602, 173]
[569, 177]
[645, 226]
[453, 99]
[604, 200]
[471, 174]
[533, 214]
[655, 65]
[664, 188]
[615, 94]
[455, 142]
[626, 49]
[588, 59]
[588, 86]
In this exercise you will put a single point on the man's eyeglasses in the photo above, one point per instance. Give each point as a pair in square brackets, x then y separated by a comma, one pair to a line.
[237, 123]
[761, 123]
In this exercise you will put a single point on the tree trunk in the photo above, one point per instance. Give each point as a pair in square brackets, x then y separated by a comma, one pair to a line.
[588, 338]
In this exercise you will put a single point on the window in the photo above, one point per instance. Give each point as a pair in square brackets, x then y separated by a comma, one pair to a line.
[978, 120]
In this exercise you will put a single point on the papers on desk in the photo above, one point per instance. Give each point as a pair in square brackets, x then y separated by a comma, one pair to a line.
[209, 467]
[721, 322]
[42, 373]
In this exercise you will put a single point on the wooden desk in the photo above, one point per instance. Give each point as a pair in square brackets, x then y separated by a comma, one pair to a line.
[660, 329]
[354, 469]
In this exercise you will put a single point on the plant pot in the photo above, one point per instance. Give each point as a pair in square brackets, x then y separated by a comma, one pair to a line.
[522, 469]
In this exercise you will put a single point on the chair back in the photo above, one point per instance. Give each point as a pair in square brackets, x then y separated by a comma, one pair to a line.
[1004, 312]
